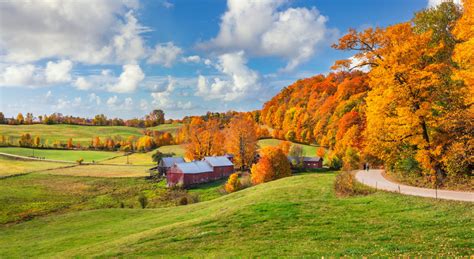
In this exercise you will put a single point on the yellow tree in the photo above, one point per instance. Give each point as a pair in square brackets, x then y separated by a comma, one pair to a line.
[233, 183]
[408, 96]
[37, 141]
[69, 143]
[204, 138]
[241, 140]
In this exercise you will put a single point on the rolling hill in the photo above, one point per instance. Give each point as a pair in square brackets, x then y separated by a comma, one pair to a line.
[294, 216]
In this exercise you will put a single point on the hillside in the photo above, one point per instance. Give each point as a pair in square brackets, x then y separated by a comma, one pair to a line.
[295, 216]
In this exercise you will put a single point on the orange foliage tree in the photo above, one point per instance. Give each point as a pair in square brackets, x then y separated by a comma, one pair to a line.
[241, 140]
[203, 138]
[272, 165]
[233, 183]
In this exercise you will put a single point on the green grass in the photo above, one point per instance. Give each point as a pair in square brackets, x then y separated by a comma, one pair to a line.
[296, 216]
[11, 166]
[178, 150]
[63, 155]
[308, 150]
[171, 128]
[102, 171]
[134, 159]
[62, 132]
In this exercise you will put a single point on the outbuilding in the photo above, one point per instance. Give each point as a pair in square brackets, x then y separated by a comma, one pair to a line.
[166, 163]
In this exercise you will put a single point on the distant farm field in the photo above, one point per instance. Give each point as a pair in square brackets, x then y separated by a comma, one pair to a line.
[63, 155]
[308, 149]
[133, 159]
[79, 134]
[178, 150]
[102, 171]
[62, 132]
[11, 166]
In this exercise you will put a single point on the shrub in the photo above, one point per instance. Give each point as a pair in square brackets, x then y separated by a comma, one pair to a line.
[233, 183]
[183, 200]
[273, 165]
[79, 161]
[346, 185]
[142, 199]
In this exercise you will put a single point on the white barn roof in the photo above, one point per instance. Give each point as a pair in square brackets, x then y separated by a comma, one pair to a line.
[170, 161]
[195, 167]
[218, 161]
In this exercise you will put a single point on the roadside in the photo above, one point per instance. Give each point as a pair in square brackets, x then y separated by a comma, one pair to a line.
[375, 179]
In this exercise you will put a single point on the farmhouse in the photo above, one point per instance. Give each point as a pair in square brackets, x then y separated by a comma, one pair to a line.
[308, 162]
[167, 162]
[209, 169]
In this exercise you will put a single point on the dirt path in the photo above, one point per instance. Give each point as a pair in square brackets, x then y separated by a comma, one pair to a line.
[374, 178]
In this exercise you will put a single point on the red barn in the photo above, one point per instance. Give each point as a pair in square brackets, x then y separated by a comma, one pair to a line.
[308, 162]
[210, 169]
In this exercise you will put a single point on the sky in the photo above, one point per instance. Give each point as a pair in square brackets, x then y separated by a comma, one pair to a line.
[126, 58]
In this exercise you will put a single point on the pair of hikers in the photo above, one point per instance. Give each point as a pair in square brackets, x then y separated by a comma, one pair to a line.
[366, 166]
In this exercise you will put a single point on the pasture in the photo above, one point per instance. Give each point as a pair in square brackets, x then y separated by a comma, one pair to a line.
[178, 150]
[308, 149]
[62, 155]
[298, 216]
[11, 166]
[98, 170]
[133, 159]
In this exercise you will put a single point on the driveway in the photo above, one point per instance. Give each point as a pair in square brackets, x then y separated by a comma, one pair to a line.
[374, 178]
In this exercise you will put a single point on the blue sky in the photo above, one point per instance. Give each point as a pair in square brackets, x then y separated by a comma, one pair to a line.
[125, 58]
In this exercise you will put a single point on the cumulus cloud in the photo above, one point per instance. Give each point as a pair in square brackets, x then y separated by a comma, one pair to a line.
[58, 72]
[238, 80]
[82, 84]
[63, 103]
[165, 54]
[260, 27]
[433, 3]
[93, 98]
[115, 103]
[192, 59]
[56, 29]
[19, 75]
[128, 81]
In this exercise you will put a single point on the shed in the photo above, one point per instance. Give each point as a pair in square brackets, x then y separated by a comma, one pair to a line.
[167, 162]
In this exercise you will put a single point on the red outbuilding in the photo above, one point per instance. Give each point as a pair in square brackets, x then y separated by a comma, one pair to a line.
[210, 169]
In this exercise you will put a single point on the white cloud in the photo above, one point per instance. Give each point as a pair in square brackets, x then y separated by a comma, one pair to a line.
[167, 4]
[57, 29]
[163, 98]
[93, 98]
[165, 54]
[63, 104]
[128, 81]
[433, 3]
[58, 72]
[144, 106]
[239, 81]
[192, 59]
[260, 27]
[82, 84]
[112, 101]
[19, 75]
[128, 103]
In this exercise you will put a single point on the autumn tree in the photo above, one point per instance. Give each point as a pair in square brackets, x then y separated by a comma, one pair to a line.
[412, 98]
[25, 140]
[69, 144]
[20, 119]
[203, 138]
[233, 183]
[241, 140]
[96, 143]
[272, 165]
[2, 118]
[37, 141]
[297, 153]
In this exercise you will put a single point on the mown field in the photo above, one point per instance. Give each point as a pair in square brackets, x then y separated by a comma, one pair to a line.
[10, 166]
[146, 158]
[295, 216]
[308, 150]
[79, 134]
[102, 171]
[63, 155]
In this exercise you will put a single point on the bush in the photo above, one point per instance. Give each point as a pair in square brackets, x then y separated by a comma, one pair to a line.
[142, 199]
[346, 185]
[79, 161]
[233, 183]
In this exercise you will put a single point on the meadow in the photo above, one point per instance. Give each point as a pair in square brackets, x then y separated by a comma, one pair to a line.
[62, 155]
[79, 134]
[295, 216]
[307, 149]
[12, 166]
[98, 170]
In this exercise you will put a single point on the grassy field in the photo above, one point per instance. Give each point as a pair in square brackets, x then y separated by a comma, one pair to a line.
[10, 166]
[133, 159]
[171, 128]
[79, 134]
[178, 150]
[102, 171]
[309, 150]
[63, 155]
[296, 216]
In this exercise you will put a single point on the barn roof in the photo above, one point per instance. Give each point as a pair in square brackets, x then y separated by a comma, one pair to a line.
[170, 161]
[305, 159]
[218, 161]
[195, 167]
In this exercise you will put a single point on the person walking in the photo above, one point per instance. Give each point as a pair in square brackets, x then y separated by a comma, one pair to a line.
[367, 166]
